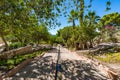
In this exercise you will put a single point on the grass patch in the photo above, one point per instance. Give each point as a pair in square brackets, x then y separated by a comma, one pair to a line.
[12, 62]
[109, 57]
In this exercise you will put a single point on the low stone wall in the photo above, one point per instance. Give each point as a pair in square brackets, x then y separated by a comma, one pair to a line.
[11, 53]
[19, 67]
[39, 47]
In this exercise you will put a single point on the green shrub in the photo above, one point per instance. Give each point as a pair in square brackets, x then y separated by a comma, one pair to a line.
[15, 45]
[109, 57]
[2, 62]
[10, 63]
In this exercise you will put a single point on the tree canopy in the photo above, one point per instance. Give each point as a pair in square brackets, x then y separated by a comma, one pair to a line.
[28, 21]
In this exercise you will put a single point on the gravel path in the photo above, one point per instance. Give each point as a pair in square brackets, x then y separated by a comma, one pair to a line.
[74, 67]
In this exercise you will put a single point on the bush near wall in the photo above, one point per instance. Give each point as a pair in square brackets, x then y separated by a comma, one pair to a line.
[17, 59]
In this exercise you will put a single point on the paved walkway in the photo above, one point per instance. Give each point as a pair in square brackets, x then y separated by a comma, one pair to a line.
[74, 67]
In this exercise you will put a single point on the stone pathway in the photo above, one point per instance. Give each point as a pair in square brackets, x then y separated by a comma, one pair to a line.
[74, 67]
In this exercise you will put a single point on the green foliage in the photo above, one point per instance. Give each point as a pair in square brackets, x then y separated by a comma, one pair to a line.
[67, 36]
[109, 57]
[53, 39]
[15, 45]
[66, 33]
[112, 18]
[10, 63]
[109, 25]
[59, 40]
[23, 19]
[40, 33]
[72, 17]
[2, 62]
[82, 35]
[19, 18]
[108, 3]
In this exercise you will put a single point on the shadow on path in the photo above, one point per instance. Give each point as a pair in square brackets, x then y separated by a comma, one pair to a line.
[54, 50]
[44, 69]
[79, 70]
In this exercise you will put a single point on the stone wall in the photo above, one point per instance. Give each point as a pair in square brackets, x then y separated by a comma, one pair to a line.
[19, 67]
[11, 53]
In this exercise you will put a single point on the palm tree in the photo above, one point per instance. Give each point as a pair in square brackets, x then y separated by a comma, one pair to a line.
[92, 17]
[72, 17]
[91, 20]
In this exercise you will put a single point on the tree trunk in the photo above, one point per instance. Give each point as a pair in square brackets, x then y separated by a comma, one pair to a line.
[91, 44]
[77, 46]
[85, 45]
[73, 24]
[81, 12]
[6, 45]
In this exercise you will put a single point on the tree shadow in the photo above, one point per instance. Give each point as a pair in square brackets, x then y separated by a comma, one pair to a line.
[79, 70]
[54, 50]
[44, 69]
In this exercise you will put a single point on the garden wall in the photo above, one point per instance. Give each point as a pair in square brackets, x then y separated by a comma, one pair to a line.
[11, 53]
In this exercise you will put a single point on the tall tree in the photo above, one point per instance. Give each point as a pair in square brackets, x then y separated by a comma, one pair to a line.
[40, 33]
[91, 20]
[72, 17]
[5, 17]
[18, 15]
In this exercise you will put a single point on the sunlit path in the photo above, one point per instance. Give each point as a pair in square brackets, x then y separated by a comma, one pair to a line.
[74, 67]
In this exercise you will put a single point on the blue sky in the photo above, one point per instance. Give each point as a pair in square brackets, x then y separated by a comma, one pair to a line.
[97, 5]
